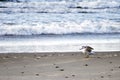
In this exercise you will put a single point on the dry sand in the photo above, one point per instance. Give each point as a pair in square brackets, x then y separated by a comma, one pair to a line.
[60, 66]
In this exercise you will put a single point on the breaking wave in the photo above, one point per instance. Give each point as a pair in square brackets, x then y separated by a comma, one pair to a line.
[86, 26]
[31, 20]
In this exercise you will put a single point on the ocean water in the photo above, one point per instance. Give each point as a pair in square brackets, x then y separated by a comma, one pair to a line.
[59, 25]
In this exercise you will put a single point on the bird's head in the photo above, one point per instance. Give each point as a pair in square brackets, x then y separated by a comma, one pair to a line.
[85, 47]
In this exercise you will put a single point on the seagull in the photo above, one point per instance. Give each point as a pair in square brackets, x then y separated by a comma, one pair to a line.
[87, 50]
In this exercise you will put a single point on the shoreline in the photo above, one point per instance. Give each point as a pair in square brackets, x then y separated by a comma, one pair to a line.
[58, 53]
[66, 52]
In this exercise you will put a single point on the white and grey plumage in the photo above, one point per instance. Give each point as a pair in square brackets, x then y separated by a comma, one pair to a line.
[87, 50]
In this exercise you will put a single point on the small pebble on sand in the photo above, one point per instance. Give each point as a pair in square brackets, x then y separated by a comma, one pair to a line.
[57, 67]
[111, 69]
[72, 54]
[22, 72]
[119, 67]
[110, 62]
[102, 76]
[86, 65]
[37, 74]
[61, 69]
[66, 77]
[73, 75]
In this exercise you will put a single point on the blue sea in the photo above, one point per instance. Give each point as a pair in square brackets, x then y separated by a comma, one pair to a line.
[59, 25]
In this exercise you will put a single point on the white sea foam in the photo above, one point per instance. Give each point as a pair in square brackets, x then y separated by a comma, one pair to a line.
[57, 45]
[61, 28]
[99, 4]
[27, 17]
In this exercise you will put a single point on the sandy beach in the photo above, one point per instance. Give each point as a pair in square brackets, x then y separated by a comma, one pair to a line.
[60, 66]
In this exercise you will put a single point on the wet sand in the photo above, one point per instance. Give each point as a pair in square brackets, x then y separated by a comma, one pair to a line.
[60, 66]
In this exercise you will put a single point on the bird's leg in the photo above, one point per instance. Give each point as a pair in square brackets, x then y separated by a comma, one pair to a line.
[86, 55]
